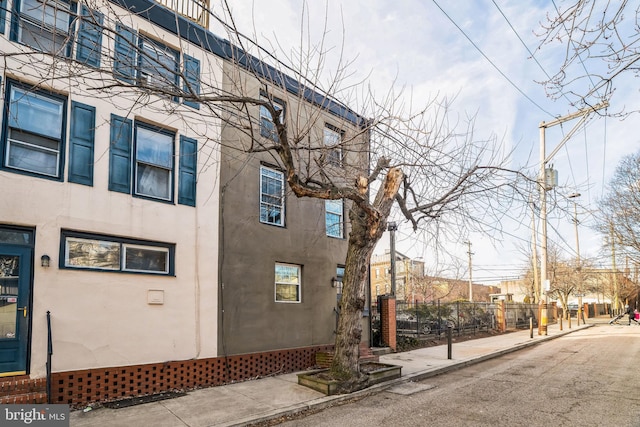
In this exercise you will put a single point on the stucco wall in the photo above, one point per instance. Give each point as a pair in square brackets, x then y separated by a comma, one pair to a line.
[251, 319]
[101, 318]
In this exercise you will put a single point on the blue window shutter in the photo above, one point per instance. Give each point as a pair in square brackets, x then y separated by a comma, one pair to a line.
[81, 141]
[124, 61]
[89, 37]
[120, 154]
[187, 171]
[3, 14]
[192, 79]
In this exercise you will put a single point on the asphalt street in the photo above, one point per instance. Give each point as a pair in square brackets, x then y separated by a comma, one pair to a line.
[589, 377]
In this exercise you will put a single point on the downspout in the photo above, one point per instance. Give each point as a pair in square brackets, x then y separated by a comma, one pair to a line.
[196, 310]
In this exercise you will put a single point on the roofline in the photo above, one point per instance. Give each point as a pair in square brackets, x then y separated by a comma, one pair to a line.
[206, 40]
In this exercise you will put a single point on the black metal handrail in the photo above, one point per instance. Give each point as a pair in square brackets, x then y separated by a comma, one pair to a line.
[49, 353]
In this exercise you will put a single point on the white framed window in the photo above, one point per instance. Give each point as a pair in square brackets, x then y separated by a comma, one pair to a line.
[267, 127]
[153, 165]
[147, 259]
[332, 140]
[271, 196]
[45, 25]
[287, 283]
[107, 253]
[334, 218]
[35, 132]
[158, 65]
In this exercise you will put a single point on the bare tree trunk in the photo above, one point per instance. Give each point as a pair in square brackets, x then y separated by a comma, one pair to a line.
[367, 227]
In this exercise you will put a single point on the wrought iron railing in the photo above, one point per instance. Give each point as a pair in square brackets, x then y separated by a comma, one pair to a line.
[194, 10]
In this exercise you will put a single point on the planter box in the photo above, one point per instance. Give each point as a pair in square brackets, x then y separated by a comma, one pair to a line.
[380, 372]
[377, 373]
[317, 381]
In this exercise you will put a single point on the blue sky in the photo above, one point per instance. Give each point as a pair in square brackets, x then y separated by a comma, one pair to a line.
[420, 45]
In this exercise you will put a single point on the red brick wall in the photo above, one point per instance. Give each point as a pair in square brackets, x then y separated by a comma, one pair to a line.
[79, 388]
[388, 316]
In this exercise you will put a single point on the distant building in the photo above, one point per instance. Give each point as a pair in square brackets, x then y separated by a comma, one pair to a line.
[519, 289]
[408, 273]
[412, 285]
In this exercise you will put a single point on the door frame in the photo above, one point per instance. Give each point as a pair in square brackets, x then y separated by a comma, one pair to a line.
[23, 329]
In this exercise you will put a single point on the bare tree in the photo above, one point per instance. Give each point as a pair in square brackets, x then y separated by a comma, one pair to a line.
[425, 162]
[600, 44]
[433, 285]
[529, 288]
[620, 208]
[567, 278]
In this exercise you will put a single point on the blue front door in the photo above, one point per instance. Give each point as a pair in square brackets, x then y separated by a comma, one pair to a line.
[15, 309]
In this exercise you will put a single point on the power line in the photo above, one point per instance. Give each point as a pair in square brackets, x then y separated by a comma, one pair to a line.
[564, 95]
[491, 62]
[529, 50]
[521, 41]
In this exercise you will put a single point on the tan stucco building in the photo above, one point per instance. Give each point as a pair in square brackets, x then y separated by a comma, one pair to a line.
[133, 237]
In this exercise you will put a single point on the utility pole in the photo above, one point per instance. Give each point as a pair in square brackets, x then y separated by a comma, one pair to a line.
[615, 271]
[546, 183]
[392, 227]
[534, 251]
[635, 280]
[578, 265]
[542, 325]
[470, 270]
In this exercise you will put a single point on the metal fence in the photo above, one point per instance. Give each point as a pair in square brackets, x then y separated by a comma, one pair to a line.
[432, 319]
[194, 10]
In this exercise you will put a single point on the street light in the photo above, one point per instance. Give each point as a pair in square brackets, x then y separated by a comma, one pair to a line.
[392, 227]
[578, 266]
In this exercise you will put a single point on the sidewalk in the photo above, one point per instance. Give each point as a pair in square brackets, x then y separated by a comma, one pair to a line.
[263, 399]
